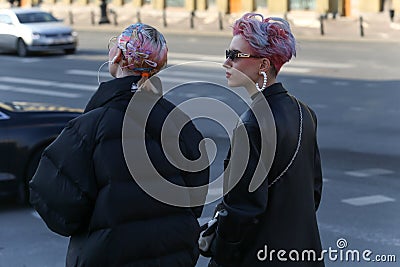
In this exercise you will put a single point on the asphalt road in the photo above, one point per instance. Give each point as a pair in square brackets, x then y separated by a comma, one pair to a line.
[352, 86]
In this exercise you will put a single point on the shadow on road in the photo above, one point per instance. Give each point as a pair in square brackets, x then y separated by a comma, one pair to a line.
[9, 203]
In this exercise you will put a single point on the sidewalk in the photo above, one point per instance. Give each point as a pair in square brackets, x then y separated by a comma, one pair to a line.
[305, 24]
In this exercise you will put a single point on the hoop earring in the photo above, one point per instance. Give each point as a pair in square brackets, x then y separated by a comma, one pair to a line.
[264, 82]
[101, 66]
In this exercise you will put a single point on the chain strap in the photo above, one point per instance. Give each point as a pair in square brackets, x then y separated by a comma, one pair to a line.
[297, 148]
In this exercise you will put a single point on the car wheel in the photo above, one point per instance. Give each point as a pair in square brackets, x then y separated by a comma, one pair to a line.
[22, 50]
[23, 195]
[70, 51]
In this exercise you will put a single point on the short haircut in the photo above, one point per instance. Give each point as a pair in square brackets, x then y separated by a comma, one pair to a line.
[144, 48]
[268, 37]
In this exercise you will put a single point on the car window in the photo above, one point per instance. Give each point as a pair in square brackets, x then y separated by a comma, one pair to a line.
[36, 17]
[5, 19]
[4, 116]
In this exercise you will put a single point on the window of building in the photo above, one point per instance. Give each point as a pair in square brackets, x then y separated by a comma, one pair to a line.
[261, 3]
[175, 3]
[211, 3]
[302, 4]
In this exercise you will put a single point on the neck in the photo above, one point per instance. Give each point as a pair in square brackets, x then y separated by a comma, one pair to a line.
[123, 72]
[251, 87]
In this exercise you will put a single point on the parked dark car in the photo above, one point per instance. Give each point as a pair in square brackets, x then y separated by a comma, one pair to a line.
[25, 130]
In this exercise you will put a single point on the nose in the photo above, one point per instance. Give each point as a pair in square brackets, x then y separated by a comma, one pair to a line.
[227, 63]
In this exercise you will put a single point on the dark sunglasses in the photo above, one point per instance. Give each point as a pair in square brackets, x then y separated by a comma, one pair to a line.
[232, 54]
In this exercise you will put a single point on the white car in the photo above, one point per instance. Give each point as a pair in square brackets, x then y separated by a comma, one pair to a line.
[26, 30]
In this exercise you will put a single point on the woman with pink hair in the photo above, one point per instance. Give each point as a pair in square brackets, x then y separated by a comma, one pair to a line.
[270, 222]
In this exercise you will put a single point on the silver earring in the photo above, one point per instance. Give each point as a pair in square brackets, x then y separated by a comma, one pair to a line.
[264, 82]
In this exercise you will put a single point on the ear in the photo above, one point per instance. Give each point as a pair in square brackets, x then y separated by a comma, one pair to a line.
[265, 65]
[117, 58]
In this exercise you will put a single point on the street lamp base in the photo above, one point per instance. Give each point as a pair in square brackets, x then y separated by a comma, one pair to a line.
[104, 20]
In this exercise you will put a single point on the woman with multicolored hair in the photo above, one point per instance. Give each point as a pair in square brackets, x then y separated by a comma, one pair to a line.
[84, 188]
[140, 50]
[268, 213]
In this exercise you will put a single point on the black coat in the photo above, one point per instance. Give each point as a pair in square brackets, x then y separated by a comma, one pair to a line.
[83, 188]
[282, 216]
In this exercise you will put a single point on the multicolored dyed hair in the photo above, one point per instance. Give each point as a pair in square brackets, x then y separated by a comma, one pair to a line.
[267, 37]
[144, 48]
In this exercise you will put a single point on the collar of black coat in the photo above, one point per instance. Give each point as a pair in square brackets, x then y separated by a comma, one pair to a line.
[273, 89]
[107, 91]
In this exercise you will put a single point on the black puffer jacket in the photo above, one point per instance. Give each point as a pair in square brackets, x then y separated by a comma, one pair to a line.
[83, 188]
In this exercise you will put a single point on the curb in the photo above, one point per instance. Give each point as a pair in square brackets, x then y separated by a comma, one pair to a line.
[225, 33]
[114, 29]
[305, 26]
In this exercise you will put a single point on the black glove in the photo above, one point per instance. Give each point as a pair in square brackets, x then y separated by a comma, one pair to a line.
[207, 233]
[213, 263]
[225, 253]
[207, 236]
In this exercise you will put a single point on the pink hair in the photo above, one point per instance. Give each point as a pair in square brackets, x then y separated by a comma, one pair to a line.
[144, 48]
[268, 37]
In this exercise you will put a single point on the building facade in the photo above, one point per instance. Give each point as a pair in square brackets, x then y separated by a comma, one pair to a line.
[340, 7]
